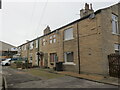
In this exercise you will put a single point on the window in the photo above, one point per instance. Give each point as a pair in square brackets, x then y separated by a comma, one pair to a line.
[36, 43]
[53, 57]
[31, 45]
[68, 57]
[53, 39]
[50, 39]
[43, 42]
[54, 36]
[115, 29]
[24, 47]
[117, 48]
[68, 34]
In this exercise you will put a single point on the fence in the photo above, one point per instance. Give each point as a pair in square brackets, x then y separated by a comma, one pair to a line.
[114, 65]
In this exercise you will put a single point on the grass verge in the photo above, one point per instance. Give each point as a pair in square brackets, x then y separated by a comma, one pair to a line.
[44, 73]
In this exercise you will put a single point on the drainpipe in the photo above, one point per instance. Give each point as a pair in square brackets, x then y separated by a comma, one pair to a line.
[119, 24]
[78, 47]
[27, 54]
[38, 52]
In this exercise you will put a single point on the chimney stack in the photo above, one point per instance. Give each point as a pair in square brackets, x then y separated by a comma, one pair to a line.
[86, 11]
[47, 30]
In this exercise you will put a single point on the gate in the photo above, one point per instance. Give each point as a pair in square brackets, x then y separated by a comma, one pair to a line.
[114, 65]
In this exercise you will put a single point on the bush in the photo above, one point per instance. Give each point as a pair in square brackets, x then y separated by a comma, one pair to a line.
[21, 64]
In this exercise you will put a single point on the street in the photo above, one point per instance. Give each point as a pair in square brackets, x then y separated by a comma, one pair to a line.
[0, 77]
[20, 79]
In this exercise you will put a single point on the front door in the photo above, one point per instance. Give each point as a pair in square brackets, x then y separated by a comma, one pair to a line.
[41, 61]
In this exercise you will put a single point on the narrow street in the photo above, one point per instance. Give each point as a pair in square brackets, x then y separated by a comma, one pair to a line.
[19, 79]
[0, 77]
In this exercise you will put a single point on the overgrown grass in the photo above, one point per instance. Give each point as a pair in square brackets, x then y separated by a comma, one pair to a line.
[44, 73]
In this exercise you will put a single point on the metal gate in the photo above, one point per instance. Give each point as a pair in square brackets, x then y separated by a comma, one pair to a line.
[114, 65]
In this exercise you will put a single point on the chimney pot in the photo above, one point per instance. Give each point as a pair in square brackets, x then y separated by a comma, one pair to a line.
[86, 6]
[91, 6]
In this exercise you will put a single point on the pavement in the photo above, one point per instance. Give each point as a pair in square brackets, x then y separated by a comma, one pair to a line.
[20, 79]
[0, 77]
[94, 77]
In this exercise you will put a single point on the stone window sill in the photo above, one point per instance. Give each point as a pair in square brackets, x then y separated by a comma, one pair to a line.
[69, 63]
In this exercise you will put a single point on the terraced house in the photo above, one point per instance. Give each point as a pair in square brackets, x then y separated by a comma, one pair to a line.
[83, 45]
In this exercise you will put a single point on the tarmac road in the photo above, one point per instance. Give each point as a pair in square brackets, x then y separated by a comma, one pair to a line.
[20, 79]
[0, 77]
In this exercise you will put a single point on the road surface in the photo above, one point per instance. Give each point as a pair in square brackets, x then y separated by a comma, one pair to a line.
[19, 79]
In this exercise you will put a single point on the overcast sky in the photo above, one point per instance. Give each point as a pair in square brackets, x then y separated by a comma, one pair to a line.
[23, 21]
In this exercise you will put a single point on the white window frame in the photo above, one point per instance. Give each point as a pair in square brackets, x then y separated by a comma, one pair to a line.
[117, 47]
[36, 43]
[50, 41]
[54, 36]
[65, 59]
[54, 40]
[31, 45]
[51, 37]
[67, 35]
[43, 42]
[115, 29]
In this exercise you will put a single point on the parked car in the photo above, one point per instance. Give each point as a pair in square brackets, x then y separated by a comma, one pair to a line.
[6, 62]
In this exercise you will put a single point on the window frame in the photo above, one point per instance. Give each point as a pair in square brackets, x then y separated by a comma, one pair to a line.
[117, 47]
[52, 39]
[115, 30]
[65, 59]
[65, 31]
[43, 42]
[31, 45]
[36, 43]
[53, 57]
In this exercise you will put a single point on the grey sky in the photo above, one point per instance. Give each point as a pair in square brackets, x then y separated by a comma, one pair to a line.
[23, 21]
